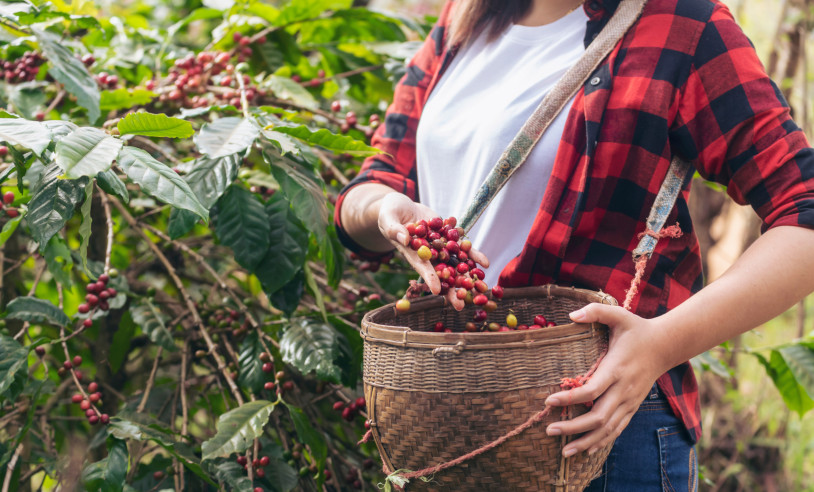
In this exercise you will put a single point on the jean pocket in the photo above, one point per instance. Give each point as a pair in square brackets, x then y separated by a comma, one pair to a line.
[679, 464]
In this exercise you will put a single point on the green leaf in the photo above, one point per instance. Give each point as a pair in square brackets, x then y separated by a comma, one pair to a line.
[242, 225]
[31, 135]
[794, 395]
[28, 98]
[339, 144]
[311, 282]
[159, 180]
[209, 178]
[351, 351]
[282, 477]
[287, 298]
[311, 346]
[148, 317]
[141, 427]
[108, 474]
[237, 429]
[332, 253]
[287, 89]
[305, 189]
[308, 435]
[52, 204]
[68, 70]
[10, 226]
[85, 227]
[300, 10]
[112, 185]
[251, 375]
[13, 367]
[800, 360]
[155, 125]
[59, 260]
[287, 247]
[86, 152]
[226, 136]
[36, 310]
[121, 342]
[125, 99]
[181, 222]
[229, 472]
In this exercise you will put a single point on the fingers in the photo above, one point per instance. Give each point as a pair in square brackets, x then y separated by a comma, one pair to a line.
[479, 258]
[601, 313]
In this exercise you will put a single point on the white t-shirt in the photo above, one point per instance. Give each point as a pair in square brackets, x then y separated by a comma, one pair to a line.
[476, 109]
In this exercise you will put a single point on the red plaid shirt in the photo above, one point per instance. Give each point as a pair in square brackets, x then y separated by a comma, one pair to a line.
[684, 80]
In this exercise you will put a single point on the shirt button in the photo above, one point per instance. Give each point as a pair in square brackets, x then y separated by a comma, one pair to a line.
[595, 81]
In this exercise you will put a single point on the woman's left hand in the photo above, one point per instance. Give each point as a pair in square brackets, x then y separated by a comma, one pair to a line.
[620, 383]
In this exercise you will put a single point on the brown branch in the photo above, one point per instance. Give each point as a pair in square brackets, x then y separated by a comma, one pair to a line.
[198, 322]
[150, 381]
[10, 468]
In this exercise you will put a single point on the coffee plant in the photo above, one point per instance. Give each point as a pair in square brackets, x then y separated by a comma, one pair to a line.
[177, 312]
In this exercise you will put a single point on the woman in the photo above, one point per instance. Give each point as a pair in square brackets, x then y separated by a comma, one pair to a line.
[683, 81]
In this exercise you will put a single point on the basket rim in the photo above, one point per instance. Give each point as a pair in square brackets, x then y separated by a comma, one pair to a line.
[404, 336]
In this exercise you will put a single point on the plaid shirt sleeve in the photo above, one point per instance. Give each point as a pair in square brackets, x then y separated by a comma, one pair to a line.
[396, 166]
[736, 126]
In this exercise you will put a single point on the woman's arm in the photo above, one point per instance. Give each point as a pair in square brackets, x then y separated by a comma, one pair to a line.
[775, 272]
[375, 217]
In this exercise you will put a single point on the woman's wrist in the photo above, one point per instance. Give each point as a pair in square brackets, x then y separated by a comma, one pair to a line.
[359, 215]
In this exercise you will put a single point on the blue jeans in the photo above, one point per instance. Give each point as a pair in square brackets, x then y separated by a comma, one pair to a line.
[653, 453]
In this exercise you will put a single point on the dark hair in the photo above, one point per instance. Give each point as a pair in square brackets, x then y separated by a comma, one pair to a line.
[471, 17]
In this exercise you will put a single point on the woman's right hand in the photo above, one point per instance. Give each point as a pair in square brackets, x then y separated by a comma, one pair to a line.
[395, 212]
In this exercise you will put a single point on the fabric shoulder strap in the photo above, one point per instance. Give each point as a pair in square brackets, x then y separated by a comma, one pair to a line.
[552, 104]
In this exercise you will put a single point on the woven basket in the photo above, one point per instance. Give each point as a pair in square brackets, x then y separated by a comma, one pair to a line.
[432, 397]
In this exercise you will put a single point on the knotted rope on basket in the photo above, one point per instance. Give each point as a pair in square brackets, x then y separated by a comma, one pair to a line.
[401, 477]
[641, 262]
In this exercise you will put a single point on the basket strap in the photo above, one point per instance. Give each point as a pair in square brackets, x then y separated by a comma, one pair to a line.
[665, 200]
[552, 104]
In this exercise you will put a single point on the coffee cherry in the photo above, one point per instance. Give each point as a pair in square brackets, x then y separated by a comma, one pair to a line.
[424, 253]
[84, 404]
[350, 118]
[87, 323]
[77, 398]
[77, 360]
[480, 300]
[158, 475]
[360, 402]
[104, 306]
[493, 326]
[105, 418]
[540, 320]
[269, 385]
[67, 364]
[94, 397]
[288, 385]
[258, 489]
[93, 419]
[403, 305]
[242, 460]
[90, 411]
[338, 405]
[264, 461]
[522, 327]
[497, 292]
[490, 306]
[40, 350]
[347, 414]
[336, 106]
[511, 320]
[8, 197]
[3, 151]
[93, 387]
[267, 367]
[83, 308]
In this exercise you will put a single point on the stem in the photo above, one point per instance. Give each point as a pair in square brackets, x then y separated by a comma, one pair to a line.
[150, 381]
[198, 322]
[109, 223]
[10, 468]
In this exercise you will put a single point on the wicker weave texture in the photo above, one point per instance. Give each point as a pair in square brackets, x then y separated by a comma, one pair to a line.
[433, 397]
[424, 429]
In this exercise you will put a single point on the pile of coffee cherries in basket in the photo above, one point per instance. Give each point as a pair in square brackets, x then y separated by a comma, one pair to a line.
[443, 244]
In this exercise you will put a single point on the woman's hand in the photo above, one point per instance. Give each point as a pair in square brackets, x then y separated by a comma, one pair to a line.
[620, 383]
[395, 212]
